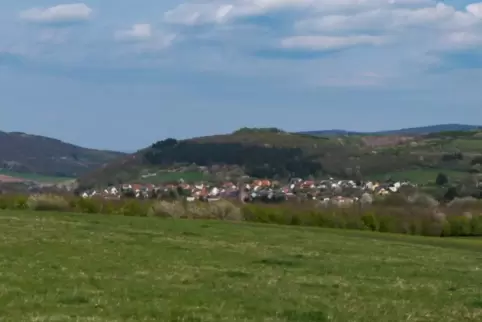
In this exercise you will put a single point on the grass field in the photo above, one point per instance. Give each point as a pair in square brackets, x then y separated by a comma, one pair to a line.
[422, 175]
[163, 177]
[468, 144]
[34, 177]
[61, 267]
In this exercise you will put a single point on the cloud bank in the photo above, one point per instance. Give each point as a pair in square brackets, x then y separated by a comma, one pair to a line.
[63, 13]
[320, 39]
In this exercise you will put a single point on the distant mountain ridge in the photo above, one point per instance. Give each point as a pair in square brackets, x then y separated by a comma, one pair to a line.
[405, 131]
[28, 153]
[332, 152]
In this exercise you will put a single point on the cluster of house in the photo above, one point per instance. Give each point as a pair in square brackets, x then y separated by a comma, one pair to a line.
[330, 190]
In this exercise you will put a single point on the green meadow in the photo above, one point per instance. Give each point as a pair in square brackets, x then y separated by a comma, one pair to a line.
[76, 267]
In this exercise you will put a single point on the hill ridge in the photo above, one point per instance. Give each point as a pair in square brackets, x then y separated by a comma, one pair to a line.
[273, 153]
[427, 129]
[30, 153]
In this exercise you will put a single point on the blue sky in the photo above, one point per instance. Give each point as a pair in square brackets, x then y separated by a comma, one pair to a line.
[119, 74]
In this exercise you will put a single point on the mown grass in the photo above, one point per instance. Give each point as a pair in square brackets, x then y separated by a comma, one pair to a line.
[77, 267]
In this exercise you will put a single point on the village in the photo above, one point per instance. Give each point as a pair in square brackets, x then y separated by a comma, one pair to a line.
[326, 191]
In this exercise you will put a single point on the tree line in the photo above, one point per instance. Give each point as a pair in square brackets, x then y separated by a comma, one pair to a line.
[257, 161]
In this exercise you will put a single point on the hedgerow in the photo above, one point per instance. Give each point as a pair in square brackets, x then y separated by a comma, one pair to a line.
[414, 218]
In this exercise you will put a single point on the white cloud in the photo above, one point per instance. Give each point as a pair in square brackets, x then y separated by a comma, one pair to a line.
[475, 9]
[323, 43]
[341, 23]
[439, 16]
[145, 38]
[138, 32]
[461, 40]
[196, 14]
[225, 11]
[440, 25]
[75, 12]
[160, 42]
[394, 39]
[389, 39]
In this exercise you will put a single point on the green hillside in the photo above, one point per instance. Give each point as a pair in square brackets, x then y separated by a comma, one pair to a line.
[34, 154]
[34, 177]
[276, 154]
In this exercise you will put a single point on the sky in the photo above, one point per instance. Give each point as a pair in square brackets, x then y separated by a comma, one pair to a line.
[122, 74]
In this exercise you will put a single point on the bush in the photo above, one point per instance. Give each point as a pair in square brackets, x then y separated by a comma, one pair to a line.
[166, 209]
[392, 200]
[13, 202]
[225, 210]
[135, 208]
[423, 200]
[476, 225]
[111, 207]
[370, 221]
[463, 203]
[47, 202]
[441, 179]
[89, 206]
[21, 202]
[460, 225]
[436, 225]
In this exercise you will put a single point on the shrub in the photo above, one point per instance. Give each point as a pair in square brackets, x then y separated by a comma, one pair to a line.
[441, 179]
[393, 200]
[412, 227]
[281, 215]
[256, 213]
[389, 224]
[111, 207]
[3, 203]
[165, 209]
[198, 210]
[21, 202]
[436, 225]
[89, 206]
[366, 199]
[476, 225]
[463, 203]
[47, 202]
[460, 225]
[423, 200]
[225, 210]
[134, 208]
[354, 222]
[370, 221]
[13, 202]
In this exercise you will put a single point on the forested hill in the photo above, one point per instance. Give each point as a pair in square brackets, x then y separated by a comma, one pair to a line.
[23, 152]
[273, 153]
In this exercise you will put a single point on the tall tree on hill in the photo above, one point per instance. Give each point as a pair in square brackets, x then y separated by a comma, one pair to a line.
[441, 179]
[358, 175]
